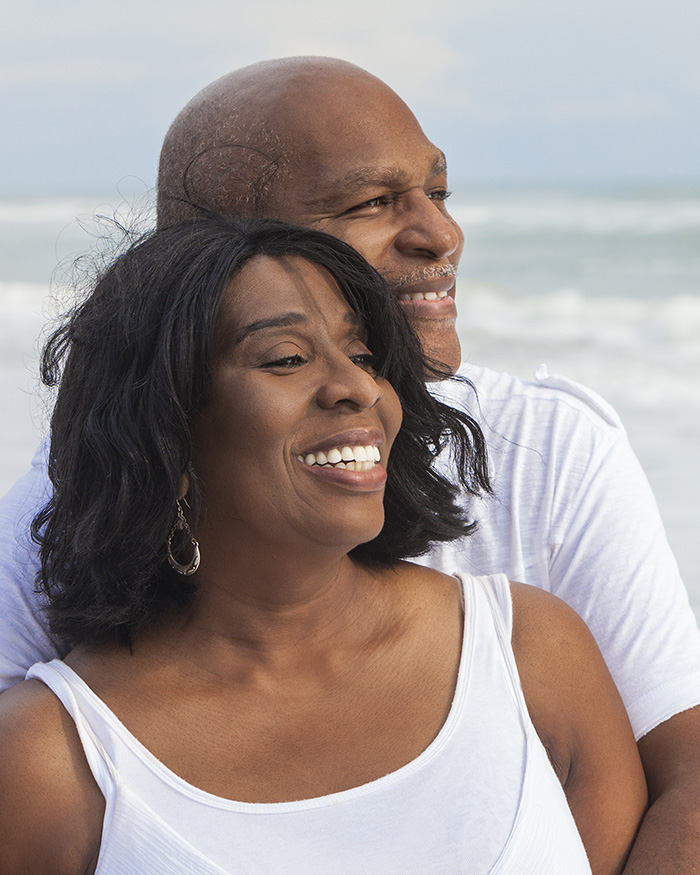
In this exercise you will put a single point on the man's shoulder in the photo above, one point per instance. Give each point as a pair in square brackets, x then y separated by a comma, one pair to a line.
[502, 401]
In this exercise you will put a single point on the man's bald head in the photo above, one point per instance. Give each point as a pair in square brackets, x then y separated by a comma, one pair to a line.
[238, 138]
[322, 143]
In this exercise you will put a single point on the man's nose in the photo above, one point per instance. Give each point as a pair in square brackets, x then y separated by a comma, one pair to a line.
[428, 229]
[348, 384]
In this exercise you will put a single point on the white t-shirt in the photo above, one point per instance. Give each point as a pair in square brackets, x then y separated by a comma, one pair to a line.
[481, 798]
[572, 514]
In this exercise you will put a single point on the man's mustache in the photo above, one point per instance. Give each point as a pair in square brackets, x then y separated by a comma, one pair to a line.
[420, 273]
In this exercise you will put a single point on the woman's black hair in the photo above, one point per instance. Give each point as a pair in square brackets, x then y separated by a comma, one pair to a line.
[135, 360]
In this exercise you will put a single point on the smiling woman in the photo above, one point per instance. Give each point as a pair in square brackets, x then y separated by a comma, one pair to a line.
[242, 455]
[193, 335]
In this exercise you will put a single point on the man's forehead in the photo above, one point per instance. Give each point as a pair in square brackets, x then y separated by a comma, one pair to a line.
[394, 175]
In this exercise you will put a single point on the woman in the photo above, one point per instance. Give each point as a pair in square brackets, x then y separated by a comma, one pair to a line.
[258, 683]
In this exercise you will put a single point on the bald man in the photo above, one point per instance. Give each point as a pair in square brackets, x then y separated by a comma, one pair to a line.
[324, 144]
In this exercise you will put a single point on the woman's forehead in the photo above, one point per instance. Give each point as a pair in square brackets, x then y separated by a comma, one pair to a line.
[281, 289]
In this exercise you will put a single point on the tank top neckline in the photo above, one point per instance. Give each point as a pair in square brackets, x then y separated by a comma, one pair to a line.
[376, 785]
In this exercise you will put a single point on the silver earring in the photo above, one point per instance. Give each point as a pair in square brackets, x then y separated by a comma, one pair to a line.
[181, 525]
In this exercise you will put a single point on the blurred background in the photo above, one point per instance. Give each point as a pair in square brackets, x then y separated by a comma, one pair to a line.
[572, 132]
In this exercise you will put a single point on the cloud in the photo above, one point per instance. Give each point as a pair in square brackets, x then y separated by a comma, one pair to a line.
[625, 107]
[402, 41]
[69, 71]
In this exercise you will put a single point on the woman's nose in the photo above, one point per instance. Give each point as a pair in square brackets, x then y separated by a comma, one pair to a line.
[348, 383]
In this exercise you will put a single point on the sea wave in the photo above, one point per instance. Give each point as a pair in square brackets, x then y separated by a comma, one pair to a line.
[561, 213]
[640, 351]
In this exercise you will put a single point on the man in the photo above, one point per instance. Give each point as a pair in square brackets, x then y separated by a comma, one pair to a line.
[324, 144]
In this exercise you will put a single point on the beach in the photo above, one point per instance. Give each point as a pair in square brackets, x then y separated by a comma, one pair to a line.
[600, 284]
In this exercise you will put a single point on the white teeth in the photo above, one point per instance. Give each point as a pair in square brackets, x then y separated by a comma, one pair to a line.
[423, 296]
[359, 458]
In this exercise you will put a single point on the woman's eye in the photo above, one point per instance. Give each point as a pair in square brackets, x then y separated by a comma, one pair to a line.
[364, 360]
[288, 361]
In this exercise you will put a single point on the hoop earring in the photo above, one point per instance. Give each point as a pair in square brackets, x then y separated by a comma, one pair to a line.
[181, 525]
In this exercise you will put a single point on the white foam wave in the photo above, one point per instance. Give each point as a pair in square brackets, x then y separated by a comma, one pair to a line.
[28, 212]
[566, 213]
[43, 212]
[643, 351]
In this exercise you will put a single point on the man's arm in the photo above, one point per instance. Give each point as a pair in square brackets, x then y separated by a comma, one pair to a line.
[579, 717]
[649, 637]
[574, 514]
[24, 639]
[668, 841]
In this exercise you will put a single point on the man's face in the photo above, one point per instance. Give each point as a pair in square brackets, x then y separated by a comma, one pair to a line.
[369, 176]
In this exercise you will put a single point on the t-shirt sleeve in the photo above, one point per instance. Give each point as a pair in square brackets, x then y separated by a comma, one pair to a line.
[573, 513]
[610, 560]
[24, 638]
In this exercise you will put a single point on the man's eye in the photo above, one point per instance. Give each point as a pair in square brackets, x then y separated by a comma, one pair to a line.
[379, 201]
[288, 361]
[440, 195]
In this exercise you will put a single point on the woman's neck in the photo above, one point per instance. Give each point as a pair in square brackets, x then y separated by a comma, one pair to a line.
[276, 613]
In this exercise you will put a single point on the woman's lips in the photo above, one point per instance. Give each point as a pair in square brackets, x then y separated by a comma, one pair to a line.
[352, 459]
[361, 481]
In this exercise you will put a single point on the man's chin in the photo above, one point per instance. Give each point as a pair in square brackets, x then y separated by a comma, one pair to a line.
[442, 351]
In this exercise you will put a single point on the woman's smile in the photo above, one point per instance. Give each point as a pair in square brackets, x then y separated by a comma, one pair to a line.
[298, 426]
[340, 457]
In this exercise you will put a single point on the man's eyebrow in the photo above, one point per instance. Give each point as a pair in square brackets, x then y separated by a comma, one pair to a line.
[370, 175]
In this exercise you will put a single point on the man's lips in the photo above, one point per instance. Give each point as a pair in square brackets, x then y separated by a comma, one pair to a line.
[425, 306]
[437, 278]
[432, 289]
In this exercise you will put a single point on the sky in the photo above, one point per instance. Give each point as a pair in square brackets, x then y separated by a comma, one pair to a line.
[515, 91]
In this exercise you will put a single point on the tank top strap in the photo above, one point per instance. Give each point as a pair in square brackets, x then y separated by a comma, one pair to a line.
[494, 591]
[544, 834]
[60, 680]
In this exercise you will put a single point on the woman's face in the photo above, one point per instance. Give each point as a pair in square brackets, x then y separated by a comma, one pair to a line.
[292, 391]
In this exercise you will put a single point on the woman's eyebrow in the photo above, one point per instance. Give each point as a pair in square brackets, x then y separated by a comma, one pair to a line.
[283, 321]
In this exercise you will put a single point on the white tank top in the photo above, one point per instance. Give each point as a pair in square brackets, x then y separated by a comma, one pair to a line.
[482, 797]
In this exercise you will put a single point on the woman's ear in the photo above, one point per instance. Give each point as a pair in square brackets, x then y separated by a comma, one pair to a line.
[184, 486]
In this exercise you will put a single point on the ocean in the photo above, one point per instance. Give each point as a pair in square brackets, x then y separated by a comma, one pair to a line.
[601, 284]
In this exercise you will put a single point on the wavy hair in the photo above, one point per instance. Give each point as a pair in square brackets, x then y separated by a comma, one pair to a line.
[132, 363]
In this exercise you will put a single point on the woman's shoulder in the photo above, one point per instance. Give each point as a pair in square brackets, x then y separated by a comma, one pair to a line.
[542, 621]
[581, 721]
[561, 669]
[427, 586]
[51, 812]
